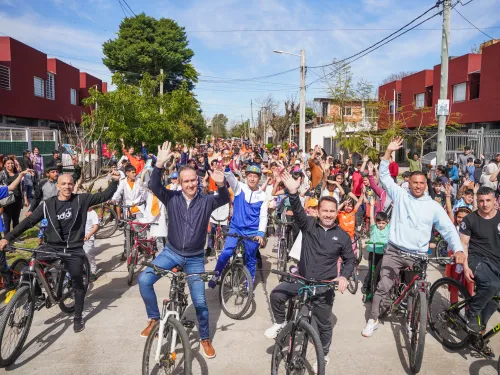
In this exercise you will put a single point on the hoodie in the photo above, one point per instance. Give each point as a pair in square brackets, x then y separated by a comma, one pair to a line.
[485, 176]
[413, 218]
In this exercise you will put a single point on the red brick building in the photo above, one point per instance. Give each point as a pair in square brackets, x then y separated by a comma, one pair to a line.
[473, 83]
[37, 91]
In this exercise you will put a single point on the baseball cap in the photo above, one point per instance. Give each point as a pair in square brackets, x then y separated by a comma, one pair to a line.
[174, 175]
[254, 169]
[313, 202]
[297, 162]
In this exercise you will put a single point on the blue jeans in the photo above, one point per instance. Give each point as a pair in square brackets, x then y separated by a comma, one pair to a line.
[168, 259]
[251, 248]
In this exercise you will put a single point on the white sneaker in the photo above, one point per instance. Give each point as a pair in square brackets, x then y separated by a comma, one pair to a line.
[315, 367]
[273, 331]
[371, 326]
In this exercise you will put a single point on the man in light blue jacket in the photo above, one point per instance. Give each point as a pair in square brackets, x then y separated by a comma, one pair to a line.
[413, 216]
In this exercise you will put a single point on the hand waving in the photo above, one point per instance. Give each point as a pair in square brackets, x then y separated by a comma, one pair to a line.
[290, 183]
[218, 175]
[396, 144]
[163, 154]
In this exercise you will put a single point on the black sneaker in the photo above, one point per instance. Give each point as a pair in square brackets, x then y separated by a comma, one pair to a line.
[78, 324]
[208, 252]
[473, 323]
[259, 262]
[124, 256]
[93, 277]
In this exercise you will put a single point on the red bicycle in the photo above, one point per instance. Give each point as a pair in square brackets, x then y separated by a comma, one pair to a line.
[141, 245]
[16, 268]
[219, 235]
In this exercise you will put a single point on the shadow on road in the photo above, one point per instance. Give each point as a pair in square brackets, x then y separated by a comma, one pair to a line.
[476, 366]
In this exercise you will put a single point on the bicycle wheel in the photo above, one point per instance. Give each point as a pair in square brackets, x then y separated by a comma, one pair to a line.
[282, 257]
[441, 250]
[132, 261]
[17, 268]
[236, 291]
[353, 282]
[446, 318]
[108, 223]
[219, 248]
[418, 326]
[177, 361]
[360, 250]
[305, 348]
[15, 325]
[67, 303]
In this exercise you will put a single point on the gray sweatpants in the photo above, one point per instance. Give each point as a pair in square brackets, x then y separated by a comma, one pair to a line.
[88, 247]
[392, 263]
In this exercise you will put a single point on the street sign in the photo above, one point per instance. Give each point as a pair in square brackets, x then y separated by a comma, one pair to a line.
[443, 107]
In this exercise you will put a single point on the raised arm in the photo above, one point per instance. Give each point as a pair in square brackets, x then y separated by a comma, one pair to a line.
[106, 195]
[449, 206]
[392, 188]
[372, 211]
[292, 185]
[494, 176]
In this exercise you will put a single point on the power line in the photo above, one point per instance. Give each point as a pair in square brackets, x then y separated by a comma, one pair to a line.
[128, 6]
[380, 41]
[123, 9]
[326, 30]
[478, 29]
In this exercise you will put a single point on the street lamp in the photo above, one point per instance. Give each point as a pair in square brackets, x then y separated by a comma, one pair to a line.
[302, 107]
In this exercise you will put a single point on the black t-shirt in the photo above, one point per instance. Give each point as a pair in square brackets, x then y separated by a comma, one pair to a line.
[65, 217]
[484, 235]
[10, 179]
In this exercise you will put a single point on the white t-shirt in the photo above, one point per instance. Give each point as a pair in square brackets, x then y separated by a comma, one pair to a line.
[92, 219]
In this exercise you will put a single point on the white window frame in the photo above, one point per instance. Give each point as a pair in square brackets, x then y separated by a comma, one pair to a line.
[4, 77]
[459, 96]
[73, 96]
[40, 82]
[420, 100]
[391, 107]
[50, 86]
[345, 111]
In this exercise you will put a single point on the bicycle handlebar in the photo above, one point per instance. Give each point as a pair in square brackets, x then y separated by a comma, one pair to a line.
[300, 278]
[241, 237]
[218, 221]
[375, 243]
[158, 269]
[37, 250]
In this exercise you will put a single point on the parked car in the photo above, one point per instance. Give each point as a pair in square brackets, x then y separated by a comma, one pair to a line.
[430, 158]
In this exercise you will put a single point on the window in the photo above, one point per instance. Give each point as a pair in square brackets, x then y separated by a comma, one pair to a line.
[39, 87]
[419, 100]
[347, 111]
[51, 88]
[4, 77]
[459, 92]
[428, 96]
[371, 112]
[324, 109]
[391, 106]
[73, 97]
[399, 102]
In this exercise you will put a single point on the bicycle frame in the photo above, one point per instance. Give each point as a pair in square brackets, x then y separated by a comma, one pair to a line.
[163, 322]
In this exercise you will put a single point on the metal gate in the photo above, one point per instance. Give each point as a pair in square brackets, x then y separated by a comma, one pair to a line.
[482, 142]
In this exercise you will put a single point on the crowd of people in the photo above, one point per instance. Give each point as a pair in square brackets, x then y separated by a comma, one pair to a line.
[330, 198]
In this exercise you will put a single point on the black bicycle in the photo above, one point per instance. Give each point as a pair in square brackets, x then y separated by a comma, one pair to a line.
[236, 285]
[45, 270]
[285, 241]
[298, 348]
[448, 303]
[167, 347]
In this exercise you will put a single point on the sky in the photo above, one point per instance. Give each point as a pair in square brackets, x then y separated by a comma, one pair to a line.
[226, 57]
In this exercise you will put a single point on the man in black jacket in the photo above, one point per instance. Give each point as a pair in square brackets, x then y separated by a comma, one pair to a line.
[66, 215]
[189, 213]
[323, 242]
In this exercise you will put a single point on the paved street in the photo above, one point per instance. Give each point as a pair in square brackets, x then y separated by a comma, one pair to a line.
[115, 316]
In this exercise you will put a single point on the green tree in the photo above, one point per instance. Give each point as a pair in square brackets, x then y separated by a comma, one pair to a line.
[146, 45]
[240, 130]
[219, 129]
[310, 115]
[132, 112]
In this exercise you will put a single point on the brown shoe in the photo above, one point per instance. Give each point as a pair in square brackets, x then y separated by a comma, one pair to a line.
[148, 329]
[208, 349]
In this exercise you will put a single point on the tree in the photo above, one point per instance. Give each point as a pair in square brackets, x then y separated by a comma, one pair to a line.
[219, 122]
[241, 129]
[132, 112]
[397, 76]
[310, 115]
[146, 45]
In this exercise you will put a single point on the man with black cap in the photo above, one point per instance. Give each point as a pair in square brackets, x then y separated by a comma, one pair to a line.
[55, 161]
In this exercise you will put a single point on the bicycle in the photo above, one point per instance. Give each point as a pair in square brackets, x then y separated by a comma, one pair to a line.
[374, 277]
[359, 243]
[218, 237]
[15, 268]
[108, 220]
[409, 296]
[285, 241]
[127, 230]
[450, 323]
[44, 271]
[290, 348]
[174, 354]
[236, 285]
[140, 245]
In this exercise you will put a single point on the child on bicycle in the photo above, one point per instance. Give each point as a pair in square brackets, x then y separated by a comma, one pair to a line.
[347, 221]
[379, 232]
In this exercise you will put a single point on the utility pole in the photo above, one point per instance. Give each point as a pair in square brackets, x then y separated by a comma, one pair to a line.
[443, 90]
[251, 111]
[161, 89]
[302, 108]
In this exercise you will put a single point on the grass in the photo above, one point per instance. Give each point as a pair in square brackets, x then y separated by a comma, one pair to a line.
[29, 239]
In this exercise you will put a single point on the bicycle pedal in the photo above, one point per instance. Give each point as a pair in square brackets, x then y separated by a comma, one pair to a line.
[188, 323]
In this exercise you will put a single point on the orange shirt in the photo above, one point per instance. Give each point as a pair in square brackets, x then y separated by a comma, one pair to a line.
[347, 221]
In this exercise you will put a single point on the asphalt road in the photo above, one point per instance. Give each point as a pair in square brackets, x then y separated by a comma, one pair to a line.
[115, 316]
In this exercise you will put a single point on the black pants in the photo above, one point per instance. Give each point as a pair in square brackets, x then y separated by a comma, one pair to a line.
[487, 279]
[11, 214]
[5, 271]
[74, 266]
[368, 279]
[323, 303]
